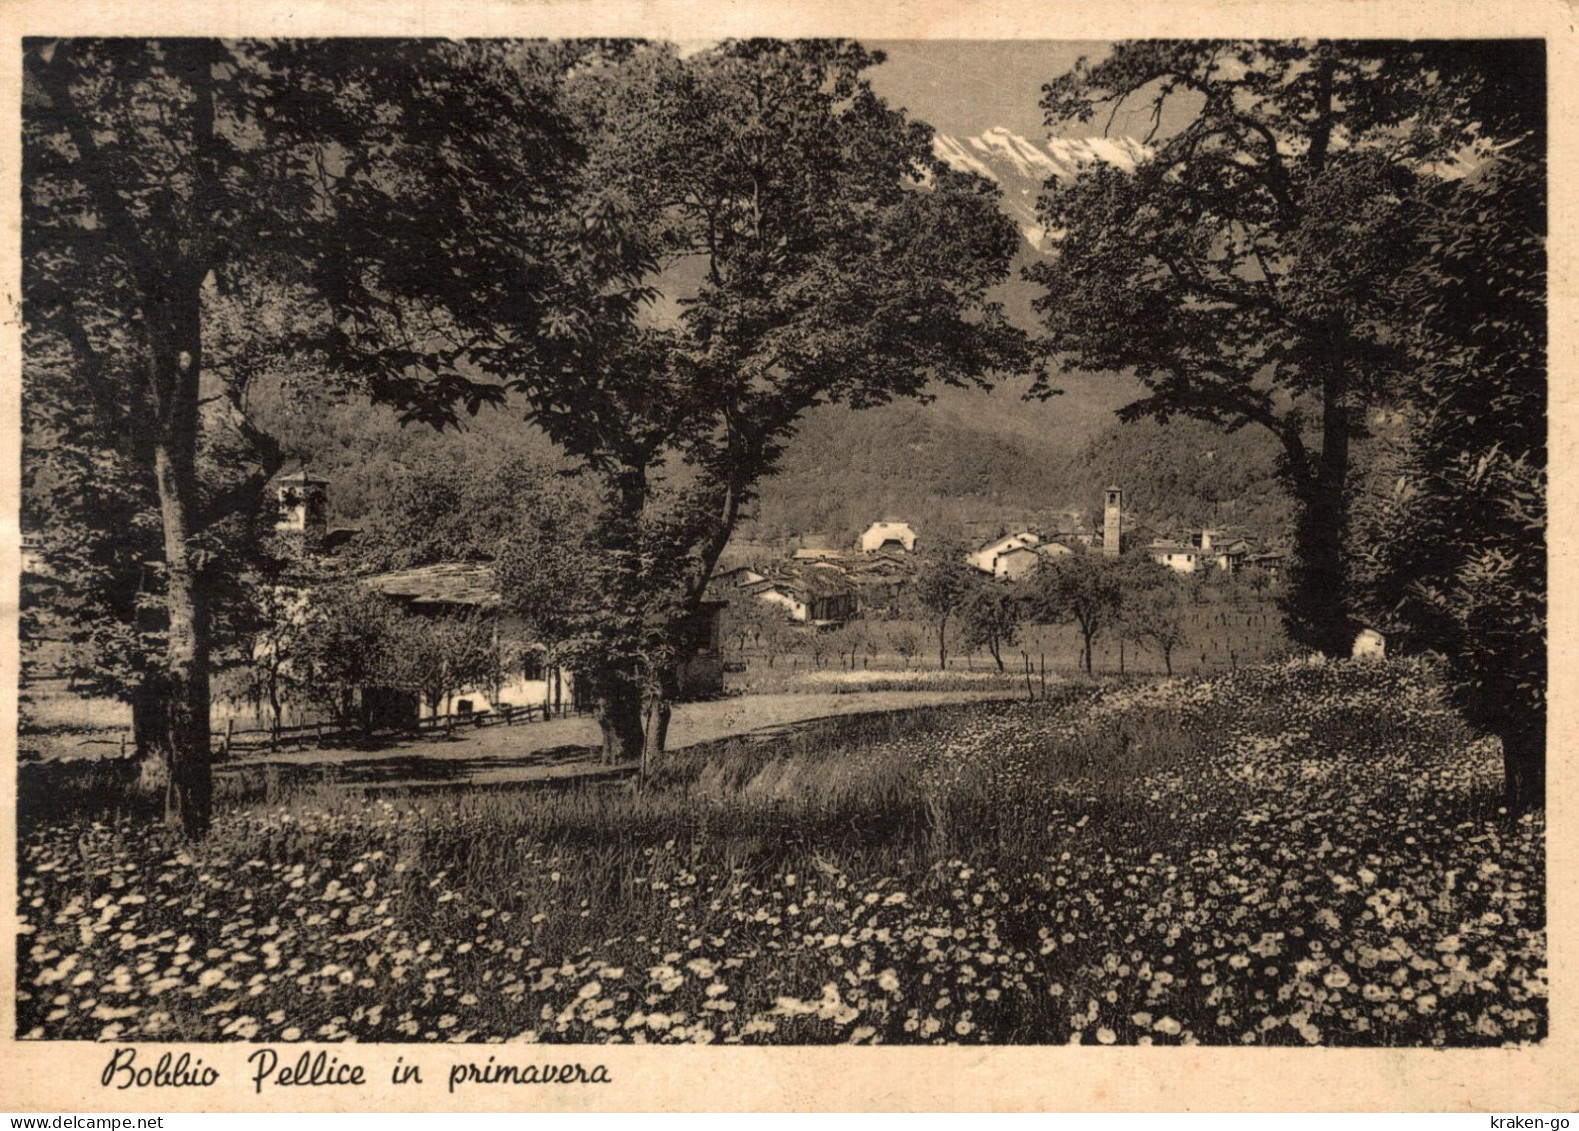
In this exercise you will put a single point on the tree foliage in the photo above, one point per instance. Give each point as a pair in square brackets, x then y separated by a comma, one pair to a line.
[164, 175]
[1243, 270]
[1092, 591]
[808, 249]
[991, 618]
[944, 584]
[1459, 543]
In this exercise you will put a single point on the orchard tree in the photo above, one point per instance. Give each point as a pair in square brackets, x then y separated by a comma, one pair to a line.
[1242, 269]
[809, 250]
[440, 656]
[162, 175]
[991, 618]
[1157, 614]
[944, 585]
[905, 643]
[1088, 590]
[347, 651]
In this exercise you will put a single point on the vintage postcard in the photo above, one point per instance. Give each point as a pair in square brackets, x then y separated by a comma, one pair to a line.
[585, 557]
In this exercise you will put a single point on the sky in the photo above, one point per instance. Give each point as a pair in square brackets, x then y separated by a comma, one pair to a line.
[966, 87]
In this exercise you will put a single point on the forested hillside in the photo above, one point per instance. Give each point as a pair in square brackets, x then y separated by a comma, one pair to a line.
[969, 457]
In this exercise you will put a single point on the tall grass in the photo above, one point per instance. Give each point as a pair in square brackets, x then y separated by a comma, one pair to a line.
[1003, 872]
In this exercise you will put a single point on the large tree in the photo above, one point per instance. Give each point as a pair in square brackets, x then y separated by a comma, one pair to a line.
[162, 174]
[1457, 540]
[1242, 269]
[808, 249]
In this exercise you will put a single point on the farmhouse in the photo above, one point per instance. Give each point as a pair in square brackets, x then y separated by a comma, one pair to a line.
[880, 580]
[820, 595]
[735, 577]
[1208, 552]
[463, 588]
[888, 535]
[986, 558]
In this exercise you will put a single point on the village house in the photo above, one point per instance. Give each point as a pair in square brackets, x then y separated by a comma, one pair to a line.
[1208, 551]
[817, 548]
[986, 558]
[888, 535]
[1022, 561]
[817, 594]
[470, 588]
[735, 577]
[880, 582]
[462, 588]
[1014, 556]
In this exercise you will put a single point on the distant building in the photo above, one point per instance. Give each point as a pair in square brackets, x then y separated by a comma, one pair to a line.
[1112, 521]
[735, 577]
[1017, 563]
[1228, 555]
[888, 535]
[819, 595]
[1370, 644]
[460, 588]
[817, 554]
[880, 580]
[986, 558]
[302, 514]
[1180, 557]
[303, 504]
[1269, 560]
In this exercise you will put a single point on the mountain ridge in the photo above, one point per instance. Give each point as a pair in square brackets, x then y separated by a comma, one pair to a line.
[1020, 167]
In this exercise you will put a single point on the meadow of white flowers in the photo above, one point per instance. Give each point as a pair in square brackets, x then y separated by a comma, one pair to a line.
[1286, 855]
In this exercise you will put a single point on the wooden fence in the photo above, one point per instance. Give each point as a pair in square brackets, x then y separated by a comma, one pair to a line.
[232, 740]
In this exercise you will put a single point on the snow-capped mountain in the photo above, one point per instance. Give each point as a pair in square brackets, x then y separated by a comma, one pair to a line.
[1021, 166]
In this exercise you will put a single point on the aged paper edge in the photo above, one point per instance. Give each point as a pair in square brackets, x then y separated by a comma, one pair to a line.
[64, 1076]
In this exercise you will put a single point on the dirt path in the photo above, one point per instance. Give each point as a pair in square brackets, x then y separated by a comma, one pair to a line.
[565, 749]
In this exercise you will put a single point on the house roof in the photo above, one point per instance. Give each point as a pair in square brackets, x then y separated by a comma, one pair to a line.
[1023, 538]
[817, 553]
[469, 584]
[304, 478]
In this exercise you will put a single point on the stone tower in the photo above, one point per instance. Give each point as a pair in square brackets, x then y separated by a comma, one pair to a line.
[1112, 521]
[303, 505]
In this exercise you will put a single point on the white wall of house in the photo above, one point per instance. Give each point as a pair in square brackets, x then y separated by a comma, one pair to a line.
[986, 558]
[1180, 561]
[1370, 645]
[516, 691]
[1015, 563]
[795, 608]
[879, 533]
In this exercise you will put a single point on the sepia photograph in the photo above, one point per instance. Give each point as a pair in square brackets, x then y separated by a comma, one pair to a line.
[781, 541]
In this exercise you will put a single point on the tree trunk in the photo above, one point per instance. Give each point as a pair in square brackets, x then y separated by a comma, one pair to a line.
[659, 709]
[943, 645]
[150, 722]
[1317, 605]
[617, 706]
[1524, 768]
[189, 792]
[993, 647]
[276, 710]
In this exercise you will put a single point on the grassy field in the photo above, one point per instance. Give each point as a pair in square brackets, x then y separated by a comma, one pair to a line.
[1282, 855]
[1224, 632]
